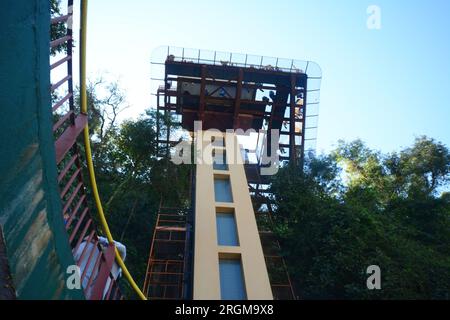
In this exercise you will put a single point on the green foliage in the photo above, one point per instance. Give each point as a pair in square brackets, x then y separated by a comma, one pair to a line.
[356, 208]
[131, 178]
[57, 30]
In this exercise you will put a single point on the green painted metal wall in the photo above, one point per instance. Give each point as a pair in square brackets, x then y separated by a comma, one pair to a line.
[30, 209]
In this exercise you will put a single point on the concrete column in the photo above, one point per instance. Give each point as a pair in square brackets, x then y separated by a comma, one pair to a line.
[207, 251]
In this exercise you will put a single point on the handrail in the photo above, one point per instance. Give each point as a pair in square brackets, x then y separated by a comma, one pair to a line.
[87, 144]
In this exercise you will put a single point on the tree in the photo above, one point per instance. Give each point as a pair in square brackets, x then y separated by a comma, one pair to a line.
[386, 211]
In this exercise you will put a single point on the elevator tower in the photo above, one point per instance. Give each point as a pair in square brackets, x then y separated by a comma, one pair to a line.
[246, 115]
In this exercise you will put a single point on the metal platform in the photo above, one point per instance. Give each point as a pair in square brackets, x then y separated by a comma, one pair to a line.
[235, 91]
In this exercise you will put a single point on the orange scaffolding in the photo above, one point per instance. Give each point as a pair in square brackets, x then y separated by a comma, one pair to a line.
[165, 276]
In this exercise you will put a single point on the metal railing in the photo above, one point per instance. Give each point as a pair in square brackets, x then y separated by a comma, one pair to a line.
[94, 258]
[177, 54]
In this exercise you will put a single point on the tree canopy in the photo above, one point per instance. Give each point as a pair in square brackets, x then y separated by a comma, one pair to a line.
[357, 207]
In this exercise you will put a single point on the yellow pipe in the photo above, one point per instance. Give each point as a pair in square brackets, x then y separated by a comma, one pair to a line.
[87, 145]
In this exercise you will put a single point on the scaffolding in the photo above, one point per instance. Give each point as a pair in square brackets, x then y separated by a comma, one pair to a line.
[165, 276]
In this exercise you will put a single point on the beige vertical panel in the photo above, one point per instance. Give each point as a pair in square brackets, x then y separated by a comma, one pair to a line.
[206, 261]
[207, 252]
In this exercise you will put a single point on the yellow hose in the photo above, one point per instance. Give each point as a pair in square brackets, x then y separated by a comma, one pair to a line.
[87, 144]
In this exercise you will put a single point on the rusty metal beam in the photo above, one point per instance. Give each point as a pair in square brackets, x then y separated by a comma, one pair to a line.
[237, 102]
[202, 94]
[60, 62]
[61, 121]
[292, 151]
[61, 102]
[103, 273]
[69, 137]
[60, 82]
[219, 100]
[59, 41]
[223, 83]
[302, 160]
[60, 19]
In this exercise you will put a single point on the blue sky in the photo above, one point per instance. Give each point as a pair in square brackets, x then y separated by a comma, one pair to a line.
[384, 86]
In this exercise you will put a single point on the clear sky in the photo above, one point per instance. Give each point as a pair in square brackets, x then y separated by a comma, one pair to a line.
[384, 86]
